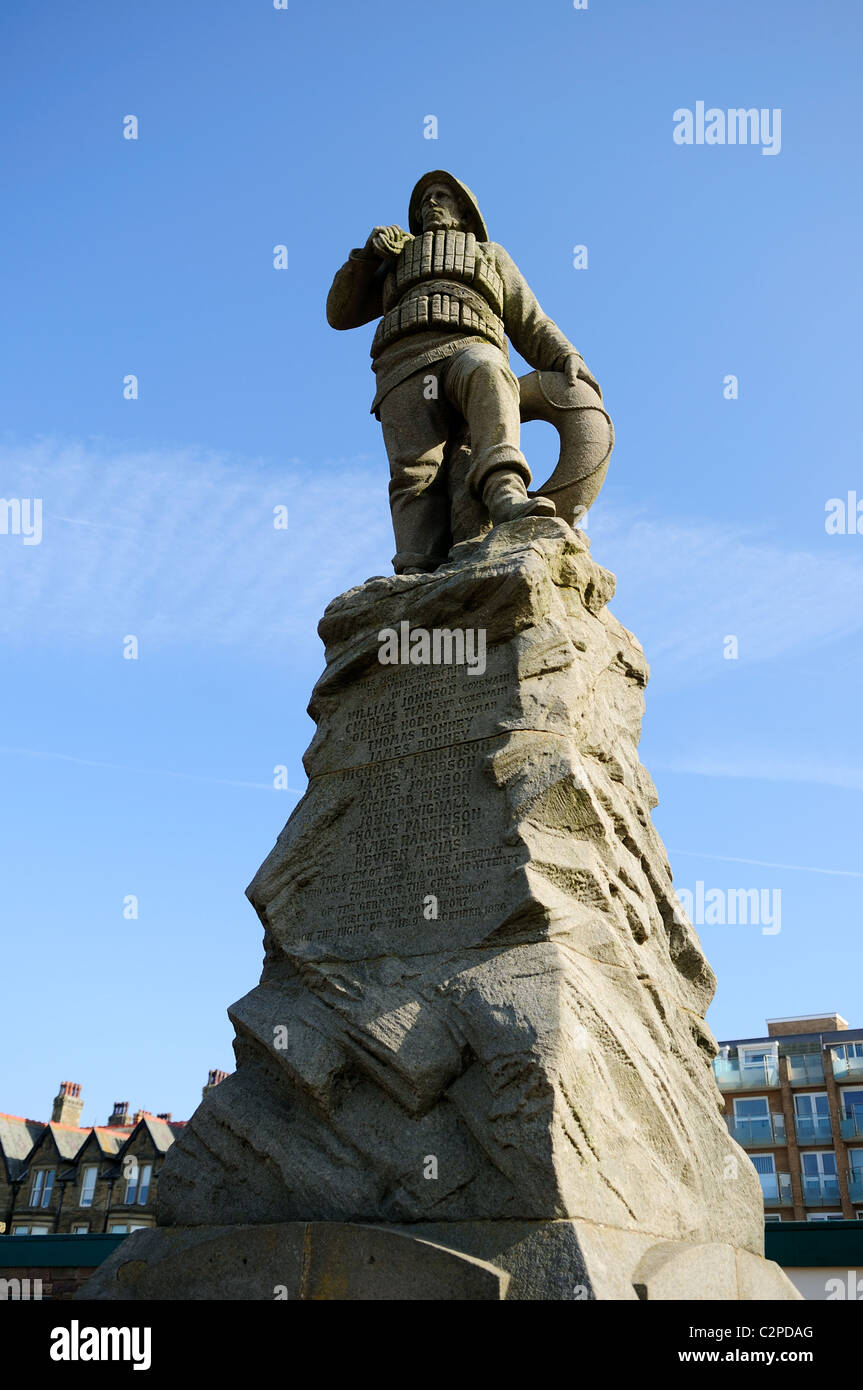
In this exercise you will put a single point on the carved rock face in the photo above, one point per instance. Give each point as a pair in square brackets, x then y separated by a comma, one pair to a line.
[473, 950]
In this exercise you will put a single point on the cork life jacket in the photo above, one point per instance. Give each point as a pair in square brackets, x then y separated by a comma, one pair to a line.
[442, 280]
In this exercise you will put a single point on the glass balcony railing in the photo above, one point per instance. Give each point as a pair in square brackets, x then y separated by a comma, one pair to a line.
[753, 1076]
[847, 1068]
[759, 1132]
[855, 1184]
[803, 1070]
[851, 1125]
[777, 1190]
[821, 1192]
[814, 1129]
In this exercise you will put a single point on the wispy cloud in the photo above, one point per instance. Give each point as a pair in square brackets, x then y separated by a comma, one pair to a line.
[765, 863]
[179, 545]
[141, 771]
[758, 769]
[684, 586]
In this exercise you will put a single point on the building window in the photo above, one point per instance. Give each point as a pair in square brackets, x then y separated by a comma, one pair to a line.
[819, 1176]
[144, 1184]
[805, 1067]
[851, 1117]
[753, 1123]
[43, 1182]
[824, 1216]
[751, 1107]
[119, 1230]
[765, 1167]
[80, 1230]
[30, 1230]
[848, 1060]
[758, 1065]
[138, 1185]
[812, 1113]
[757, 1056]
[88, 1185]
[771, 1216]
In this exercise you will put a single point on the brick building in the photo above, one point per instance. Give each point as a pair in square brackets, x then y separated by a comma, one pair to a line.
[61, 1178]
[794, 1101]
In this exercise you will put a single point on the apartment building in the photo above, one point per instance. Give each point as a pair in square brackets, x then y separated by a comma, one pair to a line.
[794, 1102]
[61, 1178]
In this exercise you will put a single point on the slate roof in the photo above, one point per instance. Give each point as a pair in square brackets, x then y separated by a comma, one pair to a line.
[160, 1132]
[20, 1138]
[17, 1137]
[109, 1140]
[68, 1138]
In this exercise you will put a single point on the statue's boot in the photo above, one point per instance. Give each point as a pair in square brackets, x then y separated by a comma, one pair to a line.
[505, 496]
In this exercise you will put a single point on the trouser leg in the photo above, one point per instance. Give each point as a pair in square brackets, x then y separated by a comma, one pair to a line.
[481, 385]
[415, 432]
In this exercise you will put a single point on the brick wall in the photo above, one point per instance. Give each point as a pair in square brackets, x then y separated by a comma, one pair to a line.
[58, 1283]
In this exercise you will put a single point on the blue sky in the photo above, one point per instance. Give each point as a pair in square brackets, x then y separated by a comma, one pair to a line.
[305, 127]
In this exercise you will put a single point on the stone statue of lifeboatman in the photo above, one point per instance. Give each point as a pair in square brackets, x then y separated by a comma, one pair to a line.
[448, 298]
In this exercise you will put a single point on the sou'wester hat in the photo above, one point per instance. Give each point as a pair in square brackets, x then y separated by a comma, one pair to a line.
[462, 192]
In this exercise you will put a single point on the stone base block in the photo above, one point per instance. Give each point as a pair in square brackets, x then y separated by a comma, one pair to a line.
[455, 1261]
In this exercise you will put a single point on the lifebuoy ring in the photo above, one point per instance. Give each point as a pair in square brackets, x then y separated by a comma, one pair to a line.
[586, 438]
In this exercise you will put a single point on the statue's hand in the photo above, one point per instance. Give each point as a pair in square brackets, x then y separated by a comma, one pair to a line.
[574, 368]
[387, 242]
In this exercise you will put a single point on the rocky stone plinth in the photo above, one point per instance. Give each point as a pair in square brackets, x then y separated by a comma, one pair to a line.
[480, 1024]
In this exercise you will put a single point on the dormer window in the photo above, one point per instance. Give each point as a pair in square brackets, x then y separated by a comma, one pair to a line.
[138, 1185]
[43, 1183]
[88, 1185]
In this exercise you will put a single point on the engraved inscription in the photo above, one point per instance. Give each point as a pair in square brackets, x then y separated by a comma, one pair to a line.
[430, 823]
[420, 708]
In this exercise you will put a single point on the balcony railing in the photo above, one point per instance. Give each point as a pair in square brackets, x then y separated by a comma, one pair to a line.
[776, 1190]
[802, 1070]
[754, 1076]
[760, 1132]
[821, 1192]
[847, 1068]
[851, 1126]
[855, 1184]
[814, 1129]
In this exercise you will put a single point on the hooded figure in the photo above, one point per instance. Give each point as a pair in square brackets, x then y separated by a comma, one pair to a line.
[447, 298]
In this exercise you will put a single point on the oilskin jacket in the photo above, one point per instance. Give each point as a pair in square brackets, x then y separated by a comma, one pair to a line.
[443, 291]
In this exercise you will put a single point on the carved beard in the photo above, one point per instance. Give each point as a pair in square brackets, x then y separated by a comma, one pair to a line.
[444, 222]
